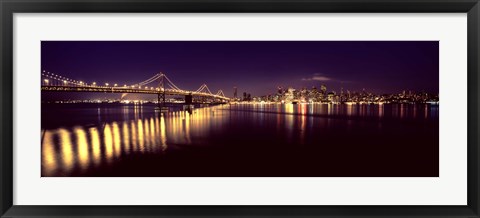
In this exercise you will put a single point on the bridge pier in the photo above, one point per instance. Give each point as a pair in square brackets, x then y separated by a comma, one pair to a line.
[161, 102]
[158, 101]
[188, 99]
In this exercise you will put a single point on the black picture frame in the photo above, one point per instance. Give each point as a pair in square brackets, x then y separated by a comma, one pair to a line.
[9, 7]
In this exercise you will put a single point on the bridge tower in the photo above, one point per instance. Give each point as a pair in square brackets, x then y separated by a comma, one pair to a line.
[161, 91]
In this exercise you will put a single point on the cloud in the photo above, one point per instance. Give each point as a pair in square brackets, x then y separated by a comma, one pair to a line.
[317, 77]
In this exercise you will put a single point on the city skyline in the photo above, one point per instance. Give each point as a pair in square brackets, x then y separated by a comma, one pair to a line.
[252, 66]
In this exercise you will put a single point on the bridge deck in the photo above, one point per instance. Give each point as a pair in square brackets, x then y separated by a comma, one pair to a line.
[102, 89]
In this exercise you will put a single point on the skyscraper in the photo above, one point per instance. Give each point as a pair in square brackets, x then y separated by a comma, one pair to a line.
[323, 89]
[234, 92]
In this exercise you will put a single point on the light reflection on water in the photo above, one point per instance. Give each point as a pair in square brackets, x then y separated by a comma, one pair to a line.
[363, 110]
[80, 148]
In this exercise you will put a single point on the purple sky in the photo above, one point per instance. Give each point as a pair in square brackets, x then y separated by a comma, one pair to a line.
[256, 67]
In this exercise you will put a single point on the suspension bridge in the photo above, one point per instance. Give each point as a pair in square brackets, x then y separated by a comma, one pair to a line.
[159, 84]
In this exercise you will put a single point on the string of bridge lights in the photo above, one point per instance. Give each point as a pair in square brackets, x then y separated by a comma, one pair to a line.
[204, 87]
[68, 81]
[220, 92]
[65, 81]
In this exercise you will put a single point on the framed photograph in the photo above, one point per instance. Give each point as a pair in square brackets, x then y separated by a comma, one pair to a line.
[239, 108]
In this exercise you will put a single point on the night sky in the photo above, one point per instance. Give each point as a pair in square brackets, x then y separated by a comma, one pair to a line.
[256, 67]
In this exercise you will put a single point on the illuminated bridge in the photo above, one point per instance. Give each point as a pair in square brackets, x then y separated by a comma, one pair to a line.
[158, 84]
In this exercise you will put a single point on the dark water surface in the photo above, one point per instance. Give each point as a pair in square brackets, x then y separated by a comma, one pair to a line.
[240, 140]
